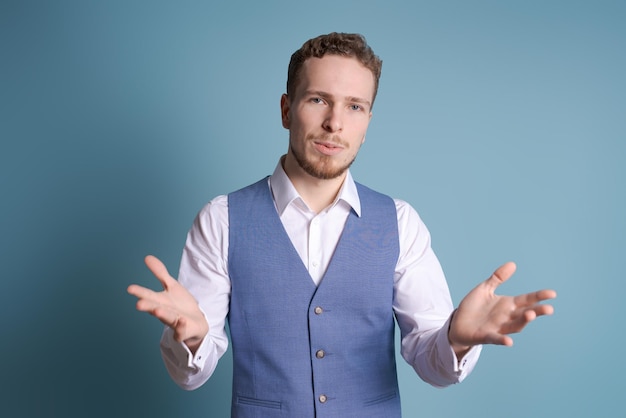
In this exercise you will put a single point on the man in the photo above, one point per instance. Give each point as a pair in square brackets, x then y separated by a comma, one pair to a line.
[310, 269]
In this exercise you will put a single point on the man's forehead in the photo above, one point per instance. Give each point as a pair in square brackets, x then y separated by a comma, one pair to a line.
[345, 71]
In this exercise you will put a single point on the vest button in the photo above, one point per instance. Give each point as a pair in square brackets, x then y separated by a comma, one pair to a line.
[323, 398]
[318, 310]
[320, 354]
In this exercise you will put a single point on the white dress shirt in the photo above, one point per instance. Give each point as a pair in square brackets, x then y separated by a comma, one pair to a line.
[422, 302]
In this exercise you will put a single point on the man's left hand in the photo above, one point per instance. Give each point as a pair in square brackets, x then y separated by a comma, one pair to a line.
[486, 318]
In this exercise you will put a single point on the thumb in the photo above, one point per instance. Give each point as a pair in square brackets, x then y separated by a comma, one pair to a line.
[159, 270]
[501, 275]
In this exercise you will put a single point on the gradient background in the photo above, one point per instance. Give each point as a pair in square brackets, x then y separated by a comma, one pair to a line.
[503, 123]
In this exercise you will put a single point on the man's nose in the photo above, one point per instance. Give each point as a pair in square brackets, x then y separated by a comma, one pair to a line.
[333, 121]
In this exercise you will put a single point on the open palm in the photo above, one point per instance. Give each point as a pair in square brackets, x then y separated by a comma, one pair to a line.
[486, 318]
[174, 305]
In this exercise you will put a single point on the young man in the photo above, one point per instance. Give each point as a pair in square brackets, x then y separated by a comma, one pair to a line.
[310, 269]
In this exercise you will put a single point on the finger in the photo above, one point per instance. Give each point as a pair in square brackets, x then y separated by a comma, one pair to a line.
[159, 270]
[501, 275]
[541, 310]
[522, 319]
[506, 341]
[140, 292]
[498, 339]
[532, 298]
[529, 316]
[147, 305]
[519, 320]
[167, 316]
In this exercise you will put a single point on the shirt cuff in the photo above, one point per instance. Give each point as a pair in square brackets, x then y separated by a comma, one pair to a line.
[180, 351]
[463, 366]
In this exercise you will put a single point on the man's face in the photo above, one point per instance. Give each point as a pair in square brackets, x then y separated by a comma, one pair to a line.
[328, 115]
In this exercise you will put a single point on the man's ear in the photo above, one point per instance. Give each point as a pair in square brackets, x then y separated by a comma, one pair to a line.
[284, 110]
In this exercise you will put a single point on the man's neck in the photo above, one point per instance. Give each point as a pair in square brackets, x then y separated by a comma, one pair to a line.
[316, 193]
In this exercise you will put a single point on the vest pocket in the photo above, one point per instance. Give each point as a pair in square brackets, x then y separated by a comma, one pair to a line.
[244, 400]
[381, 398]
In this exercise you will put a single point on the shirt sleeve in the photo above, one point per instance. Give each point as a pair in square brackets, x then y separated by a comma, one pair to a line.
[204, 273]
[423, 306]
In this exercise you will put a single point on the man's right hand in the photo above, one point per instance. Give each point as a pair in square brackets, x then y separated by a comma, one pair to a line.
[174, 306]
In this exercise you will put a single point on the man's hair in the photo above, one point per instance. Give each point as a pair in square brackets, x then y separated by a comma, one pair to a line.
[351, 45]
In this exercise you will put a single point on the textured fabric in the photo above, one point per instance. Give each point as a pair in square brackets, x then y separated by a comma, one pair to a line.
[422, 303]
[301, 350]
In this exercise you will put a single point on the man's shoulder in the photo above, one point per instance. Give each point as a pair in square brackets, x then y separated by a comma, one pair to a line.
[365, 190]
[399, 203]
[406, 213]
[251, 188]
[215, 207]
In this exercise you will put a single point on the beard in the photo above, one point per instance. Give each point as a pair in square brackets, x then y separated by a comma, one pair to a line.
[322, 167]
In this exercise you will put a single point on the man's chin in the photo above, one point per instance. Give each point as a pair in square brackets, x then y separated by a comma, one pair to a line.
[323, 171]
[320, 167]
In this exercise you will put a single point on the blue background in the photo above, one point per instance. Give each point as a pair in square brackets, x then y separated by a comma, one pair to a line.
[503, 123]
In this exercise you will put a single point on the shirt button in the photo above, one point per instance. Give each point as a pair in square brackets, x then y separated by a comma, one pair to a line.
[323, 398]
[320, 354]
[318, 310]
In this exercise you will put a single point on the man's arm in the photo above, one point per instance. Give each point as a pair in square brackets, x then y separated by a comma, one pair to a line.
[200, 298]
[423, 306]
[443, 345]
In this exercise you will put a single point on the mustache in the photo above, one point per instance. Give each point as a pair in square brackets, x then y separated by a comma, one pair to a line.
[328, 138]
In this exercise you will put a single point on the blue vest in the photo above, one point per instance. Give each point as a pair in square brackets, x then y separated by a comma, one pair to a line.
[305, 351]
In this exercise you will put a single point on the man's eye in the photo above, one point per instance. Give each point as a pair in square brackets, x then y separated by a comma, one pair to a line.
[356, 107]
[316, 100]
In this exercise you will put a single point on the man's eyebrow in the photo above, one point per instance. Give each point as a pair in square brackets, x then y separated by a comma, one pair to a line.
[359, 100]
[352, 99]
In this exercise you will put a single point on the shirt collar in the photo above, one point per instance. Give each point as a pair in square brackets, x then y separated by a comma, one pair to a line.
[285, 193]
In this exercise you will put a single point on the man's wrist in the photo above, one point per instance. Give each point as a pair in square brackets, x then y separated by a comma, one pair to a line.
[459, 349]
[193, 344]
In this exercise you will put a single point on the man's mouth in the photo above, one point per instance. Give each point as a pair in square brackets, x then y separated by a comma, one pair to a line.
[327, 148]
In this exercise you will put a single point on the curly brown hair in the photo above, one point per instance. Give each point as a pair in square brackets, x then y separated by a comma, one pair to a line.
[351, 45]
